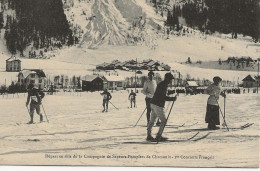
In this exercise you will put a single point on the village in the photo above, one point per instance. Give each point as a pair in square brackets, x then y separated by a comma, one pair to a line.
[109, 76]
[242, 63]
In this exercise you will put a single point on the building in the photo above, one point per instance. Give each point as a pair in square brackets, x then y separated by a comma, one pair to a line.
[249, 82]
[166, 67]
[13, 65]
[32, 76]
[114, 82]
[92, 83]
[192, 84]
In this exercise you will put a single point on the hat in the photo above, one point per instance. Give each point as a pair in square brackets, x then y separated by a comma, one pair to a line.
[169, 76]
[151, 72]
[217, 79]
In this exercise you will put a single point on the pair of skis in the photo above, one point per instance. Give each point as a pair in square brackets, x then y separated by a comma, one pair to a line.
[192, 138]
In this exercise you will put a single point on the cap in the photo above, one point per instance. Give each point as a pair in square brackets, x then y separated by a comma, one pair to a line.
[217, 79]
[169, 76]
[151, 72]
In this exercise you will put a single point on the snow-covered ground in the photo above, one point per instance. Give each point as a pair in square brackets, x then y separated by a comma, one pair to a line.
[78, 127]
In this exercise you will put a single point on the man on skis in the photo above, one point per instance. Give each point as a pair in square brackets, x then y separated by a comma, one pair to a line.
[132, 98]
[148, 90]
[212, 114]
[35, 96]
[157, 106]
[106, 97]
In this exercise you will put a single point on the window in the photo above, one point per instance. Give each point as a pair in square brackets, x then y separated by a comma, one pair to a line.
[40, 80]
[32, 75]
[119, 84]
[32, 81]
[111, 84]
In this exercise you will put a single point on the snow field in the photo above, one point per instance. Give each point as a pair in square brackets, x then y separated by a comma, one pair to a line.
[77, 126]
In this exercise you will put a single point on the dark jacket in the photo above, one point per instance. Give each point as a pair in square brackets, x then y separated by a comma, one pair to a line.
[35, 96]
[160, 96]
[106, 96]
[132, 94]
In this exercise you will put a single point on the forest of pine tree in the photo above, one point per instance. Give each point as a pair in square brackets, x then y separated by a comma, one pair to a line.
[229, 17]
[40, 23]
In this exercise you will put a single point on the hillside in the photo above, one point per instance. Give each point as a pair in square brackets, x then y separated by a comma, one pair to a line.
[129, 35]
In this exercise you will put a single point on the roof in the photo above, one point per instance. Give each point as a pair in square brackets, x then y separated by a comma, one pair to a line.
[114, 78]
[147, 60]
[151, 63]
[27, 72]
[103, 65]
[192, 83]
[12, 59]
[115, 62]
[249, 78]
[257, 77]
[89, 78]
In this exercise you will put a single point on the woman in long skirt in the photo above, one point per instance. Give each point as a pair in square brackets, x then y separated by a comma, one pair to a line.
[212, 114]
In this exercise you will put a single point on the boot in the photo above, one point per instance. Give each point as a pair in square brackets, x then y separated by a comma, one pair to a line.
[160, 138]
[31, 121]
[41, 118]
[149, 136]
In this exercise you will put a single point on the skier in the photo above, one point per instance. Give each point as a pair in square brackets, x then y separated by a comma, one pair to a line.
[148, 90]
[157, 106]
[106, 97]
[212, 114]
[132, 98]
[35, 96]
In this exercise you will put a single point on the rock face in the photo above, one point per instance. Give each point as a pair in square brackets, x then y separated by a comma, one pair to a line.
[116, 22]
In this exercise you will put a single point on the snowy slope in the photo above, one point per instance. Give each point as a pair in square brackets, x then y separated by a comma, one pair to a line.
[78, 127]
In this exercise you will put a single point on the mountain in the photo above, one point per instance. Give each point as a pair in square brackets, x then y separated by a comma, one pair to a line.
[112, 22]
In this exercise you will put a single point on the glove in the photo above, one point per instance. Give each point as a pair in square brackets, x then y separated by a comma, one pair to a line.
[174, 98]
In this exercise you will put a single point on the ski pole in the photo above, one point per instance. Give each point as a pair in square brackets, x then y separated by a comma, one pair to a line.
[221, 113]
[224, 111]
[224, 107]
[113, 105]
[166, 120]
[140, 117]
[45, 114]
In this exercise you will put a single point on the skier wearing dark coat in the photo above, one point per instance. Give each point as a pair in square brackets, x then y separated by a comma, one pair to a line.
[106, 97]
[132, 98]
[157, 106]
[35, 96]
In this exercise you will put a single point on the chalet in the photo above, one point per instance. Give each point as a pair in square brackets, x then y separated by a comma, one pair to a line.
[13, 65]
[191, 84]
[249, 82]
[105, 66]
[32, 76]
[92, 83]
[166, 67]
[114, 82]
[152, 65]
[119, 65]
[145, 62]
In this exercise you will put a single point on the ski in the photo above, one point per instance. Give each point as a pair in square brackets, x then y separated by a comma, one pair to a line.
[168, 140]
[18, 124]
[175, 126]
[244, 126]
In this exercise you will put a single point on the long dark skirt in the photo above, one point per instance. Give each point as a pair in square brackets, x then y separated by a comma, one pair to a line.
[212, 115]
